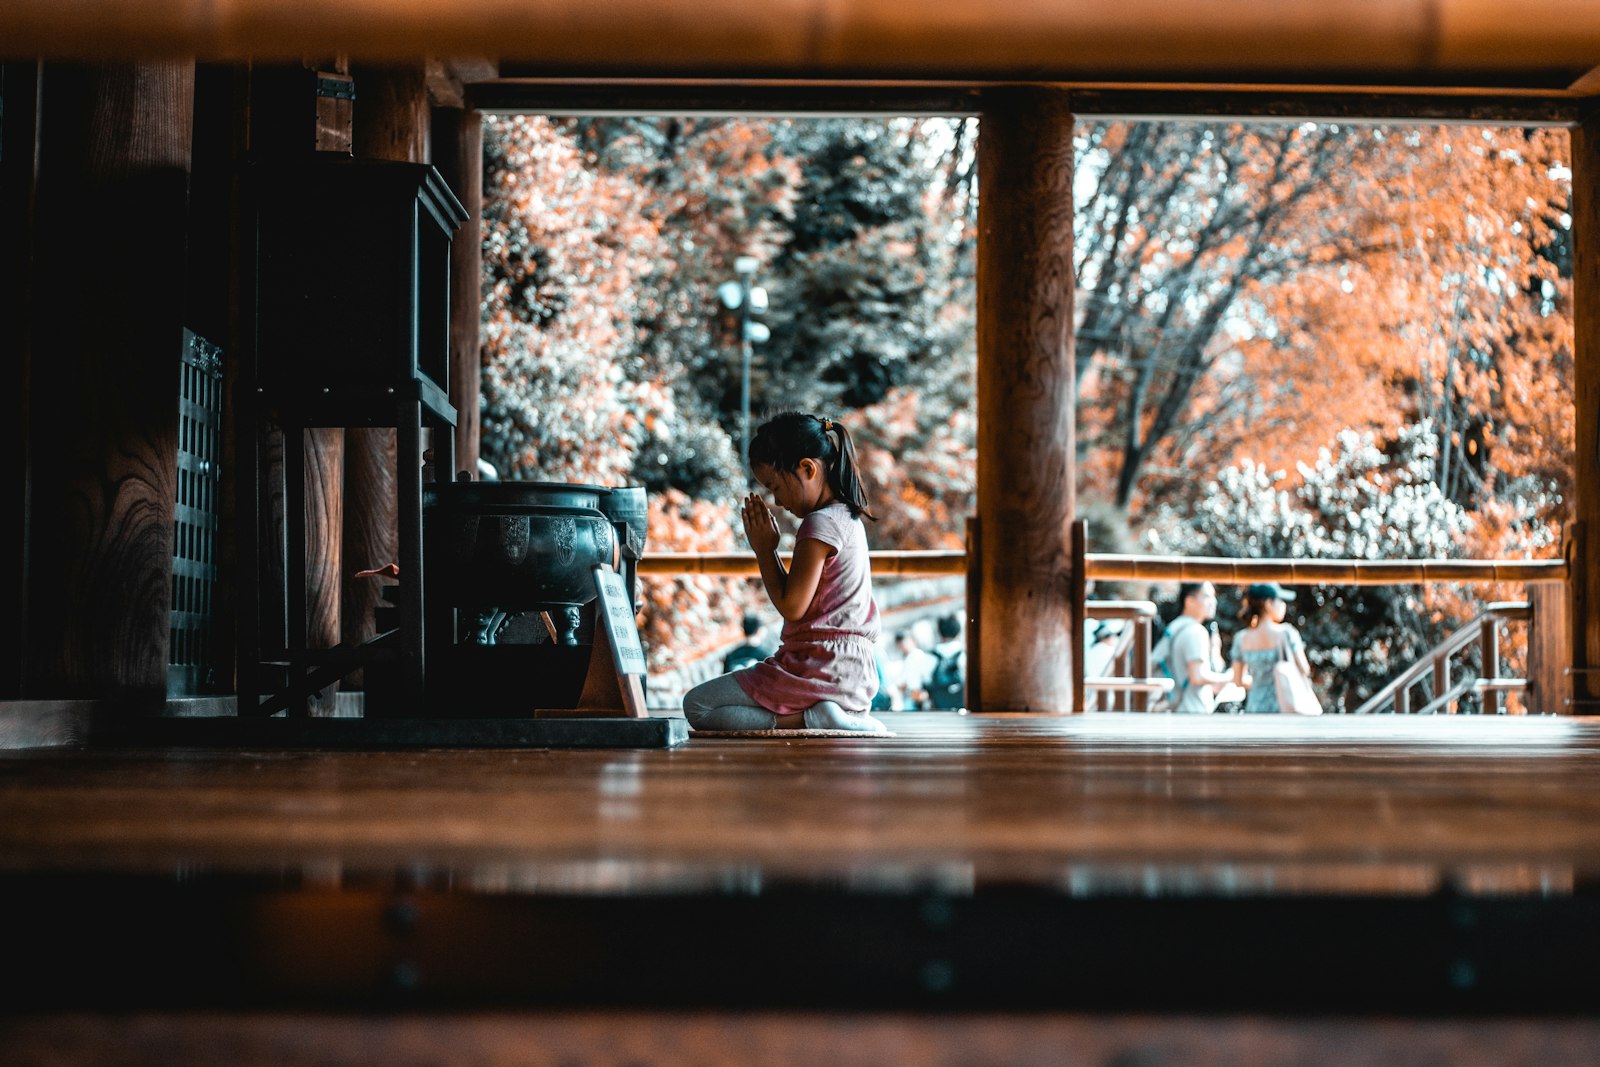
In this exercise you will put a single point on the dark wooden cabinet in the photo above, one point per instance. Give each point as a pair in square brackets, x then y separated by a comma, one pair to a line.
[352, 286]
[348, 285]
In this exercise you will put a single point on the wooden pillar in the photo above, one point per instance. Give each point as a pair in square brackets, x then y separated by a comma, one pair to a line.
[458, 153]
[112, 198]
[1584, 599]
[19, 155]
[390, 122]
[1025, 402]
[297, 110]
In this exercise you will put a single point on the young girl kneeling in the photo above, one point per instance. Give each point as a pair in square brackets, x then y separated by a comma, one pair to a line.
[824, 674]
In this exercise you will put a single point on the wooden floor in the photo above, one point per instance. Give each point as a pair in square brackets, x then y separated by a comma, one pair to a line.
[1101, 804]
[1226, 866]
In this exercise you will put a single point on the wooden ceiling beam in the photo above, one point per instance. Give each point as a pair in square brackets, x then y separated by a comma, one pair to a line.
[1030, 40]
[855, 100]
[1409, 108]
[867, 99]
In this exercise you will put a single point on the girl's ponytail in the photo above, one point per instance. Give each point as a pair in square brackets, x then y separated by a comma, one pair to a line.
[844, 475]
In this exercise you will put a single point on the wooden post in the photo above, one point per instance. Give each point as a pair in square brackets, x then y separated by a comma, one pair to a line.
[1489, 656]
[1025, 401]
[458, 150]
[19, 156]
[390, 122]
[1549, 651]
[1079, 596]
[291, 118]
[974, 597]
[113, 176]
[1585, 591]
[1140, 667]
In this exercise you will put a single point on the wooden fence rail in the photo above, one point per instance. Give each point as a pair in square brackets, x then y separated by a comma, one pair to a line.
[1114, 567]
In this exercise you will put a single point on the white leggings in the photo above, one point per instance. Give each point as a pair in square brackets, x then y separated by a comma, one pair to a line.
[722, 704]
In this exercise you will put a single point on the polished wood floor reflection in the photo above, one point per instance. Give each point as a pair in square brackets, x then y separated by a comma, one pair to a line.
[1150, 805]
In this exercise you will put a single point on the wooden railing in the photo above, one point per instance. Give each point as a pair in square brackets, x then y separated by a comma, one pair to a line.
[1115, 567]
[1131, 686]
[1484, 631]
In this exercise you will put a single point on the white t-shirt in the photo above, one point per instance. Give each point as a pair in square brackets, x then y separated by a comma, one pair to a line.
[1191, 641]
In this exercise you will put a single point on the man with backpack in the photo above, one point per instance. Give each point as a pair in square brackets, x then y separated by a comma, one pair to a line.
[947, 685]
[1187, 651]
[755, 648]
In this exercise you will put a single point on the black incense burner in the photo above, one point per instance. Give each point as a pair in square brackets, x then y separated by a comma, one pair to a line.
[510, 591]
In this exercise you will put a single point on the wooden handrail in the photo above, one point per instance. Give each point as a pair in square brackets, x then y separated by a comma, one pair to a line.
[1448, 697]
[1117, 684]
[1120, 609]
[1119, 567]
[1394, 692]
[907, 564]
[1322, 571]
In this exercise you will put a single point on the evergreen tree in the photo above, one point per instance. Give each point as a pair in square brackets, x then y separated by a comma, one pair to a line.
[863, 276]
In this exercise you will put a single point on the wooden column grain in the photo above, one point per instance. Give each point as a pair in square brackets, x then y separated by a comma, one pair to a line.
[390, 122]
[324, 469]
[458, 153]
[1585, 583]
[114, 161]
[1025, 401]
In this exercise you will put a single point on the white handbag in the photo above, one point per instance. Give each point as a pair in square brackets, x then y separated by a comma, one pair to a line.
[1295, 694]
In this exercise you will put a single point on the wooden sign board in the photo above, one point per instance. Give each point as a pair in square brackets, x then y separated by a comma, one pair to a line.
[616, 663]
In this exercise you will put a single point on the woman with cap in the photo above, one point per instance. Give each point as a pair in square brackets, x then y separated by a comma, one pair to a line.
[1263, 640]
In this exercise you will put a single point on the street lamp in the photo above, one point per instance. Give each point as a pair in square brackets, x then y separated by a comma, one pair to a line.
[747, 299]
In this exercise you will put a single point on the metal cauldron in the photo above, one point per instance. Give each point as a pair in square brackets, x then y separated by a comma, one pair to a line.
[504, 549]
[516, 545]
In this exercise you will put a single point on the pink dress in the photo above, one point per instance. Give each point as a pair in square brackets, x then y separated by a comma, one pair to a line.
[830, 653]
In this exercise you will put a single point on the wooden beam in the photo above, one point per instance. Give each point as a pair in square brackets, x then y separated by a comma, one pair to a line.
[714, 99]
[1026, 460]
[1029, 38]
[877, 99]
[447, 79]
[1213, 105]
